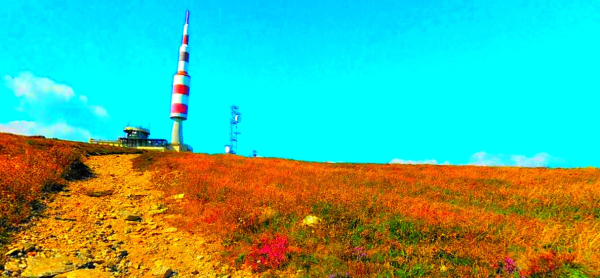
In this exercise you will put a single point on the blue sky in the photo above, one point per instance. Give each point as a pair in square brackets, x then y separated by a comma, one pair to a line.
[481, 82]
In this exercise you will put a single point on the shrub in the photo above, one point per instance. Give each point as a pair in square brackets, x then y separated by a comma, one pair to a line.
[269, 254]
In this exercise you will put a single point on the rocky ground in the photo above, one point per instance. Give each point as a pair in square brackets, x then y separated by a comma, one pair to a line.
[112, 225]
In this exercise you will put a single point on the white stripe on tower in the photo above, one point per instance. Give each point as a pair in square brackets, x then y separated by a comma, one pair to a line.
[181, 79]
[179, 98]
[183, 48]
[182, 66]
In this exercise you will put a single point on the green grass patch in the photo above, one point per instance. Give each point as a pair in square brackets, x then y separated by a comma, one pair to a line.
[405, 231]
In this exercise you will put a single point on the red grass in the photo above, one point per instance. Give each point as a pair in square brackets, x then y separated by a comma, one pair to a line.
[408, 219]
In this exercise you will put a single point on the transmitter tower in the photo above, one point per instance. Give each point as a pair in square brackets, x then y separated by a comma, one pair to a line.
[181, 92]
[236, 118]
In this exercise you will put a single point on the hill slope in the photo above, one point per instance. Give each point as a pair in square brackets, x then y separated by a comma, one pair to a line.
[388, 220]
[292, 218]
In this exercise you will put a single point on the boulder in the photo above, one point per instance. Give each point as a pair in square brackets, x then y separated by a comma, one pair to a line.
[178, 196]
[99, 192]
[157, 211]
[311, 220]
[12, 252]
[161, 271]
[28, 247]
[42, 267]
[85, 273]
[170, 230]
[12, 266]
[133, 217]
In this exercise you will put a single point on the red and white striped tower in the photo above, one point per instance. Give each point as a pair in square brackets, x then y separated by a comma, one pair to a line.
[181, 89]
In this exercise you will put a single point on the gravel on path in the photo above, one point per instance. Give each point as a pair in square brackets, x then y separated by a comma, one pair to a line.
[112, 225]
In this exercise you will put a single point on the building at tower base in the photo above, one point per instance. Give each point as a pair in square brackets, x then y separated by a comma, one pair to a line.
[135, 137]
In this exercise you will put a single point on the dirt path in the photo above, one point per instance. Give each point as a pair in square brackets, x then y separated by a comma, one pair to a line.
[113, 225]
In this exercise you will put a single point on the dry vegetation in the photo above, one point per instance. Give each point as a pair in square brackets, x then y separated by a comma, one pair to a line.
[369, 220]
[32, 166]
[388, 220]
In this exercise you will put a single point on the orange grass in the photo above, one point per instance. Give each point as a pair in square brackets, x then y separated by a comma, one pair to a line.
[390, 220]
[31, 165]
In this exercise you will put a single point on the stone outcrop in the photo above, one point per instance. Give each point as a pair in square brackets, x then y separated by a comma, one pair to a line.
[85, 273]
[44, 267]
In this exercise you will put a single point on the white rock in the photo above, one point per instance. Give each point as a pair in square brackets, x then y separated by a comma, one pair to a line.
[311, 220]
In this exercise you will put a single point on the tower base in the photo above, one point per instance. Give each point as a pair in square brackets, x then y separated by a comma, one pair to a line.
[177, 137]
[179, 148]
[177, 133]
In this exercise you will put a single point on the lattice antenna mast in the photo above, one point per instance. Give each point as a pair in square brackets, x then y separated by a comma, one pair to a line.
[236, 118]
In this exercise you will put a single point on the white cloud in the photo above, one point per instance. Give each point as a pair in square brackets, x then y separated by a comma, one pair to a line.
[52, 109]
[537, 160]
[35, 88]
[425, 161]
[99, 111]
[56, 130]
[486, 159]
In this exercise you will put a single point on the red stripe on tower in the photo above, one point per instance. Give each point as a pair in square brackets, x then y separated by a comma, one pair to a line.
[179, 108]
[181, 89]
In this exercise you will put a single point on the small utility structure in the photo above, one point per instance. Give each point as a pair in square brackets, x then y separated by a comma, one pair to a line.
[236, 118]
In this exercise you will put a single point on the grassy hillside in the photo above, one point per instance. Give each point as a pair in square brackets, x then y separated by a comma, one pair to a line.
[31, 166]
[364, 220]
[287, 217]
